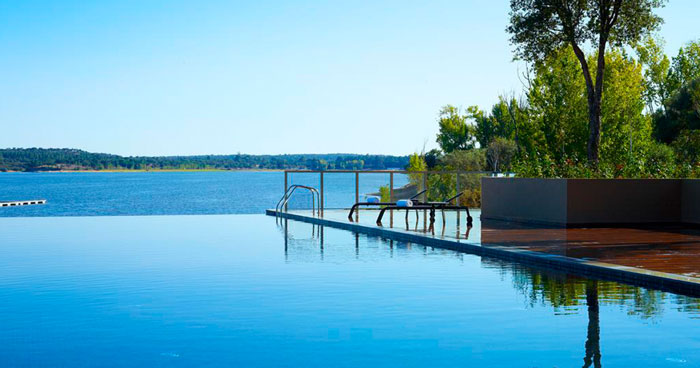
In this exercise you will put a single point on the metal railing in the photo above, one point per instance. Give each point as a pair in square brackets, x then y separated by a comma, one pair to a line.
[391, 173]
[315, 196]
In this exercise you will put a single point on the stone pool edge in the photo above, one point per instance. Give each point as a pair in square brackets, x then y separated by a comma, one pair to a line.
[674, 283]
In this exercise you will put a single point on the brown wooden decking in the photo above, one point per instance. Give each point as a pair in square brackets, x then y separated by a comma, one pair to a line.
[666, 249]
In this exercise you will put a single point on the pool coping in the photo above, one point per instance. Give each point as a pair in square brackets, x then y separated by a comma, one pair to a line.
[665, 281]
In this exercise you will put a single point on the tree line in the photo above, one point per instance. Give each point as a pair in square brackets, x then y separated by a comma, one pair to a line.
[619, 107]
[50, 159]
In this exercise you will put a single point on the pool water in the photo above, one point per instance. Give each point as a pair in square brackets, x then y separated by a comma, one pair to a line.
[244, 290]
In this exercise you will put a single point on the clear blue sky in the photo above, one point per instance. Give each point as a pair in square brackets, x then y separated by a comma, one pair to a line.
[198, 77]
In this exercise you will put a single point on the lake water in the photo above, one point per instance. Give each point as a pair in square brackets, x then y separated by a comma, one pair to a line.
[173, 193]
[83, 286]
[245, 291]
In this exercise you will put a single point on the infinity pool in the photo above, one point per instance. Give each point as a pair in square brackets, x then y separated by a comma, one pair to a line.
[243, 290]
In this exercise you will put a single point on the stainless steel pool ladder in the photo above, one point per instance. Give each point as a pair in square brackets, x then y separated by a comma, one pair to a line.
[315, 198]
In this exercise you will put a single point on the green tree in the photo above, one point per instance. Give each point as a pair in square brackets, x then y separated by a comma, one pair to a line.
[650, 53]
[416, 163]
[626, 130]
[685, 67]
[505, 120]
[542, 27]
[682, 112]
[500, 153]
[454, 133]
[557, 107]
[432, 158]
[557, 111]
[469, 184]
[467, 160]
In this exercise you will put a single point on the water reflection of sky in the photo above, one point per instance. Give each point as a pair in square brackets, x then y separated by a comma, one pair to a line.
[224, 290]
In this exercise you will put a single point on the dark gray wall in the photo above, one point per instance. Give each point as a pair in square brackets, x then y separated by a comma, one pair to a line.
[591, 201]
[523, 199]
[691, 201]
[600, 201]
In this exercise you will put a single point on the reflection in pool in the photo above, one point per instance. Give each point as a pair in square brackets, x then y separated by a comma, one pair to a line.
[245, 291]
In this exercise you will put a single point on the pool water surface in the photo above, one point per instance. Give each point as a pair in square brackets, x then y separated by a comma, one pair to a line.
[245, 290]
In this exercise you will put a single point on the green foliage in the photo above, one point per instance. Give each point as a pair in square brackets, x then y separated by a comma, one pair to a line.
[500, 153]
[557, 107]
[685, 67]
[625, 128]
[432, 158]
[682, 112]
[553, 130]
[40, 159]
[469, 184]
[469, 160]
[443, 186]
[660, 162]
[416, 163]
[384, 194]
[656, 68]
[454, 133]
[508, 118]
[542, 27]
[557, 110]
[656, 160]
[544, 166]
[687, 147]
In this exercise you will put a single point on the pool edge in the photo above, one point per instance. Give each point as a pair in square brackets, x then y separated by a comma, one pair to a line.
[664, 281]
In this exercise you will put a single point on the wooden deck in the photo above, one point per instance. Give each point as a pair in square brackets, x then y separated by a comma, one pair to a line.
[670, 249]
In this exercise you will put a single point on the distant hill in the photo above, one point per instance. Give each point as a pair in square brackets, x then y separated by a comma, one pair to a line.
[67, 159]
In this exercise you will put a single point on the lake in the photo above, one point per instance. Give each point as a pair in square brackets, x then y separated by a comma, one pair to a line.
[173, 193]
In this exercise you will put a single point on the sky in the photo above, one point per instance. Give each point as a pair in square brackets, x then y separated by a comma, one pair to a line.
[175, 77]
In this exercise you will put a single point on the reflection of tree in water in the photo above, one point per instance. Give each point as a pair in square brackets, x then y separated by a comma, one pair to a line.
[593, 334]
[689, 305]
[564, 292]
[561, 290]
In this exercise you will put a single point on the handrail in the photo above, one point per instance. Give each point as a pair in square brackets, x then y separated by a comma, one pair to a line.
[387, 171]
[288, 194]
[424, 173]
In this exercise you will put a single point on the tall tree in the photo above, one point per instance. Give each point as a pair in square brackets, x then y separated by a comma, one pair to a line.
[656, 69]
[541, 27]
[454, 133]
[685, 67]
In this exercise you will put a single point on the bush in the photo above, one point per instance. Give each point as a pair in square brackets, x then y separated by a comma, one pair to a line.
[687, 147]
[660, 161]
[464, 160]
[385, 194]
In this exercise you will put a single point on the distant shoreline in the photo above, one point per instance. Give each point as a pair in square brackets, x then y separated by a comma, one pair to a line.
[137, 170]
[75, 160]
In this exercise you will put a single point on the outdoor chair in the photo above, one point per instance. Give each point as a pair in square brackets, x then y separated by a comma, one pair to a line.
[374, 201]
[430, 206]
